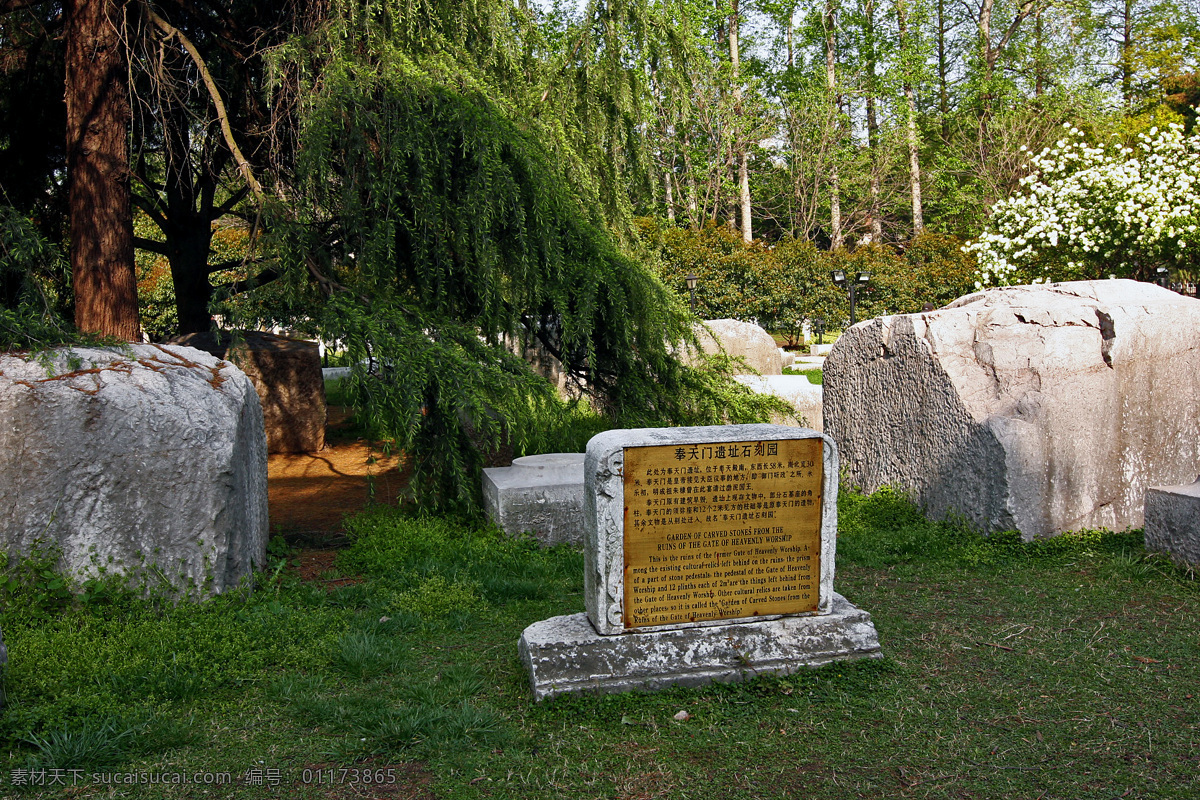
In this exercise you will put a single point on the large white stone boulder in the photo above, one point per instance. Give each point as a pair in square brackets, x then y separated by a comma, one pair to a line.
[149, 462]
[742, 339]
[1038, 408]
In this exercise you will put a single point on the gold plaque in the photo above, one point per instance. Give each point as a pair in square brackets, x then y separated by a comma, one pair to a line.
[722, 531]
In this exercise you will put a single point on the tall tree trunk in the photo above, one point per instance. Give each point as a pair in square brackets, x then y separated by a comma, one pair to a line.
[835, 187]
[189, 228]
[990, 51]
[741, 147]
[791, 27]
[693, 194]
[1127, 54]
[97, 98]
[914, 145]
[943, 71]
[1040, 79]
[872, 122]
[669, 191]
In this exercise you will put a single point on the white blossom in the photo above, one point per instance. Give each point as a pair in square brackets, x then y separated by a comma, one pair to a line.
[1083, 207]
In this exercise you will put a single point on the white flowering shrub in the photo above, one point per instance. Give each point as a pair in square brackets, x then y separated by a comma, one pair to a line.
[1089, 212]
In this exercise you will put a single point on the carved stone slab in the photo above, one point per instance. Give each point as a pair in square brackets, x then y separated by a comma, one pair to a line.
[730, 520]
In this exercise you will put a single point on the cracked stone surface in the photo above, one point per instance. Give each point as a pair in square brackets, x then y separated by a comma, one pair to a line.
[1043, 409]
[149, 462]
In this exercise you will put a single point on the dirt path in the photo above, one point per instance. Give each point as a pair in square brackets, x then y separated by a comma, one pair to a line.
[308, 494]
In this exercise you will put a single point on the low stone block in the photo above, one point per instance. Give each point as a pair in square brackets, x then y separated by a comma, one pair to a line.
[287, 376]
[1043, 409]
[797, 390]
[1173, 522]
[566, 654]
[148, 462]
[540, 494]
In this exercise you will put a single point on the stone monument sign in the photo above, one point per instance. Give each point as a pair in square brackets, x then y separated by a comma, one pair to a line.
[709, 555]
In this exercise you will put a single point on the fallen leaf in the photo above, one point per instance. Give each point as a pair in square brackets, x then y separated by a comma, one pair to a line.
[682, 716]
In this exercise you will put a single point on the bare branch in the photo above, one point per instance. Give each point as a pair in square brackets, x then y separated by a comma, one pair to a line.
[228, 205]
[152, 207]
[1022, 15]
[226, 130]
[152, 246]
[8, 6]
[233, 264]
[238, 287]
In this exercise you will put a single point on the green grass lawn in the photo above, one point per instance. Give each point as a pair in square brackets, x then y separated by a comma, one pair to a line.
[1066, 669]
[814, 374]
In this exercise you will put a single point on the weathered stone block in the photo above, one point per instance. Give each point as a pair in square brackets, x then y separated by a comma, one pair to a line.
[565, 654]
[541, 494]
[149, 462]
[1040, 408]
[287, 376]
[1173, 522]
[742, 339]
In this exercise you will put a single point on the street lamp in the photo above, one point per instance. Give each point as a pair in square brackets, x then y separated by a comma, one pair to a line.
[819, 327]
[860, 279]
[692, 280]
[1162, 276]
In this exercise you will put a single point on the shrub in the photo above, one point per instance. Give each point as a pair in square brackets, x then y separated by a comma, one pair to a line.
[781, 286]
[1088, 212]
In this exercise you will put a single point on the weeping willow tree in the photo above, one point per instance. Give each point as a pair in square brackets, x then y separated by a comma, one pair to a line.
[446, 198]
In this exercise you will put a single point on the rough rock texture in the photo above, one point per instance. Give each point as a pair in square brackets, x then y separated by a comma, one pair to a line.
[541, 494]
[286, 374]
[744, 339]
[565, 654]
[1173, 522]
[797, 390]
[1039, 408]
[143, 461]
[604, 509]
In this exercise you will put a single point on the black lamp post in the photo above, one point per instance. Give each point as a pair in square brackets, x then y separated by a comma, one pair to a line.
[1162, 276]
[692, 280]
[819, 327]
[840, 279]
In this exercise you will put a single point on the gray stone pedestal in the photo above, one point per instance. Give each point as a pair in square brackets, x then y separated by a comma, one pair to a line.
[541, 494]
[1173, 522]
[565, 654]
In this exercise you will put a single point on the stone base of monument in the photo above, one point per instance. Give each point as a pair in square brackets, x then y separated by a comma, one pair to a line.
[564, 654]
